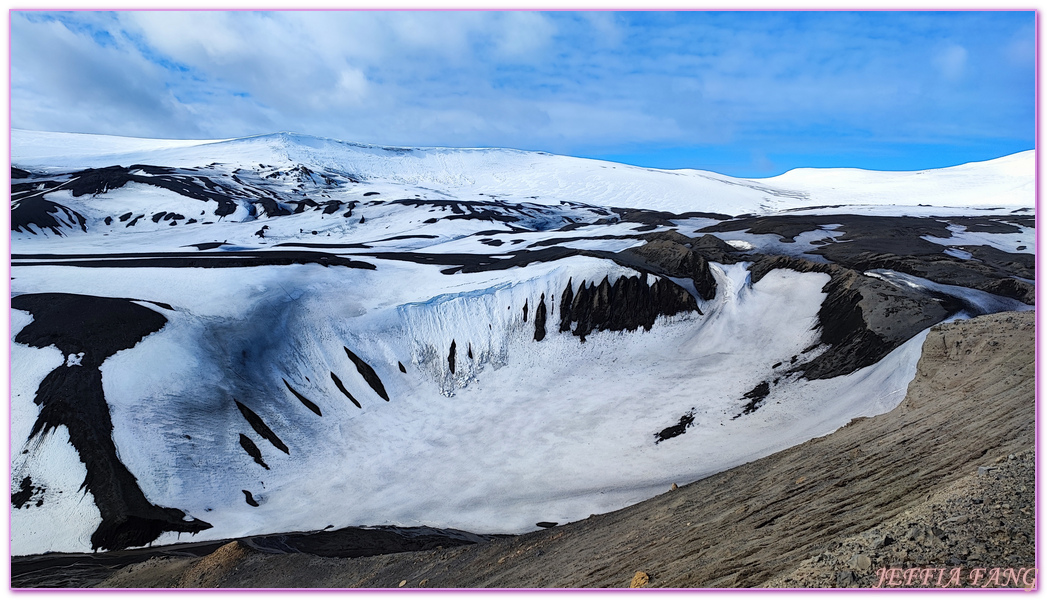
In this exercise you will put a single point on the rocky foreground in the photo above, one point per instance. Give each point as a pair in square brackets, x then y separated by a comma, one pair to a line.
[936, 493]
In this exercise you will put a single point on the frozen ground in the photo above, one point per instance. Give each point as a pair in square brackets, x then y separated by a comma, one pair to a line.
[244, 248]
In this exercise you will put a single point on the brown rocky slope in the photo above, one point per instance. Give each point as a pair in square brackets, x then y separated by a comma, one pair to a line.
[824, 513]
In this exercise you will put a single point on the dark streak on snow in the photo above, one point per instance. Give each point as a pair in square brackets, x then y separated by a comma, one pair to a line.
[368, 374]
[308, 404]
[539, 320]
[192, 260]
[341, 388]
[73, 396]
[249, 446]
[676, 430]
[260, 427]
[756, 397]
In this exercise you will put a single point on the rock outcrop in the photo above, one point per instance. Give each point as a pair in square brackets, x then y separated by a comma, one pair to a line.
[863, 318]
[88, 330]
[675, 255]
[628, 304]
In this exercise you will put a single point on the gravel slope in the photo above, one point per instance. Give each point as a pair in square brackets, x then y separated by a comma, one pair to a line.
[800, 517]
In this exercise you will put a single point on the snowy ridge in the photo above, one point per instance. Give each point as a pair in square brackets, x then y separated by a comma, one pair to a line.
[519, 176]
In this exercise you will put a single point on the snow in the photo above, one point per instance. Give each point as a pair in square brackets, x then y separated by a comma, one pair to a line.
[52, 149]
[977, 302]
[1008, 242]
[50, 461]
[771, 243]
[1006, 182]
[574, 422]
[520, 432]
[540, 178]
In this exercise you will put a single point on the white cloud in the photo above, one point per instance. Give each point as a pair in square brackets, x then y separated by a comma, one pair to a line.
[563, 82]
[951, 62]
[607, 31]
[520, 35]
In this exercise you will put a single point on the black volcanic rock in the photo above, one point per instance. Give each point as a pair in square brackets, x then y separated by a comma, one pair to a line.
[1010, 288]
[715, 249]
[261, 428]
[44, 214]
[92, 329]
[252, 450]
[628, 304]
[368, 373]
[898, 243]
[687, 420]
[862, 318]
[98, 181]
[660, 218]
[185, 182]
[566, 301]
[982, 274]
[1018, 264]
[855, 227]
[272, 208]
[539, 320]
[26, 492]
[675, 259]
[755, 398]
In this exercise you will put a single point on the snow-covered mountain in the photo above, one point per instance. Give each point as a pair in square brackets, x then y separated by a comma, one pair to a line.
[286, 333]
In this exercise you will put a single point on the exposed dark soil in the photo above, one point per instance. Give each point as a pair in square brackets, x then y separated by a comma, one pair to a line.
[261, 428]
[896, 243]
[59, 570]
[368, 374]
[862, 318]
[628, 304]
[44, 214]
[206, 260]
[89, 329]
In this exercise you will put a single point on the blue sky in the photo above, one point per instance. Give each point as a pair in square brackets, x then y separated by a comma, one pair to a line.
[747, 93]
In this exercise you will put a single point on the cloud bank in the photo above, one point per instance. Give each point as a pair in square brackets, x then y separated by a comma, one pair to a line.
[749, 93]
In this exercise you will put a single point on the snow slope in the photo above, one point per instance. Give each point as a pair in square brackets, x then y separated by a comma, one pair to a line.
[522, 432]
[520, 176]
[431, 267]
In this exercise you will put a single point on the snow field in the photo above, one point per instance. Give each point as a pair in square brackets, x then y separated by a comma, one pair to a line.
[541, 178]
[522, 431]
[552, 430]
